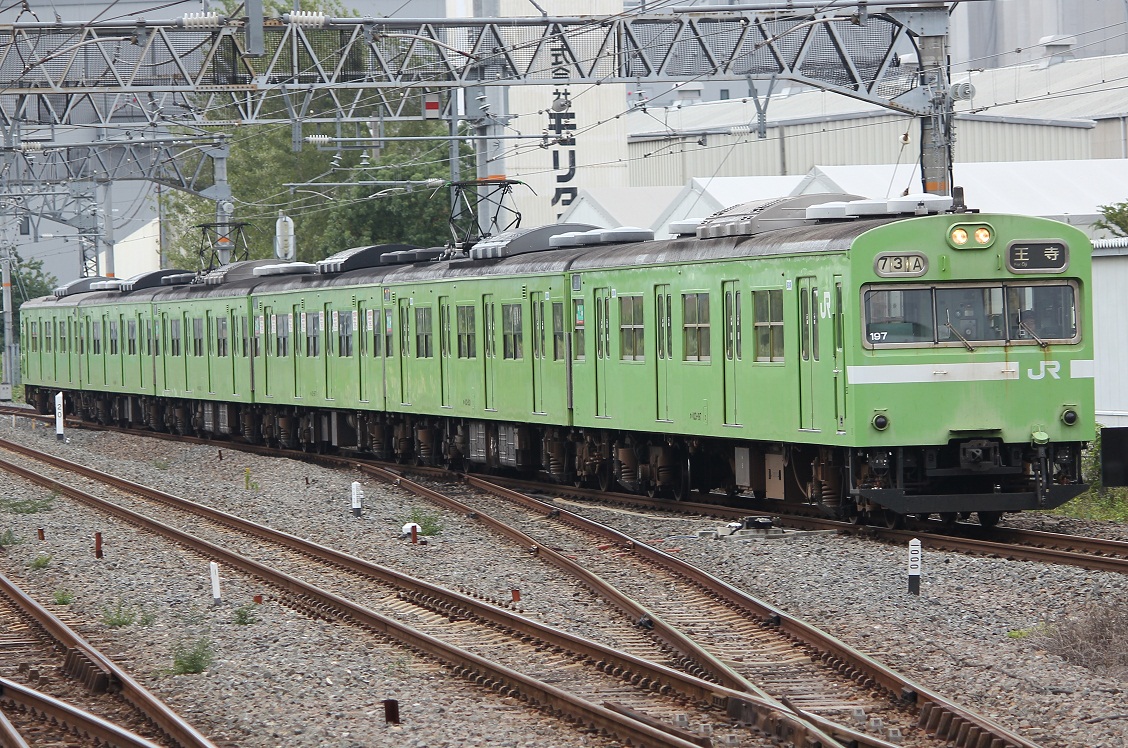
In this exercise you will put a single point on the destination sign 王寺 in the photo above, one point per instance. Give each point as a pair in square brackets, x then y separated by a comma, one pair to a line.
[1037, 257]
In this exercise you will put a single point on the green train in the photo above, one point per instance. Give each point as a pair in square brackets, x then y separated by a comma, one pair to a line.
[872, 358]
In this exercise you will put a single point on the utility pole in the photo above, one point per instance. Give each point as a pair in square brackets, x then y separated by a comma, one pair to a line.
[936, 125]
[11, 345]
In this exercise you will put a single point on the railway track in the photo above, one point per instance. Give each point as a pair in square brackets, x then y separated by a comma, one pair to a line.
[637, 700]
[38, 646]
[745, 641]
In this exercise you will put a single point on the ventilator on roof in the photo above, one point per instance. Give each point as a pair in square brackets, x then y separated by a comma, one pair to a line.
[523, 241]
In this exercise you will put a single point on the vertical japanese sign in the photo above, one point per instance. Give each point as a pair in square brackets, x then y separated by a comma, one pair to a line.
[562, 128]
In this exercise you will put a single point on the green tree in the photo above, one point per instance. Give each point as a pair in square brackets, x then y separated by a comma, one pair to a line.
[29, 281]
[1115, 219]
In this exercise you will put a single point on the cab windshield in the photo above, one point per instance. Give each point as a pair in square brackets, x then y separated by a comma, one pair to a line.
[970, 315]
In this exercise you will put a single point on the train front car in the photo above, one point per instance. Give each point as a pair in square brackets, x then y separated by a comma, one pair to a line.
[971, 385]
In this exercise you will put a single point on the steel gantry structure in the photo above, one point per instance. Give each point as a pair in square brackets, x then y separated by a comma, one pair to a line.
[312, 69]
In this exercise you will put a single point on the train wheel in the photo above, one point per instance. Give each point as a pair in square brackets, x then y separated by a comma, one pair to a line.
[989, 519]
[893, 520]
[603, 477]
[684, 483]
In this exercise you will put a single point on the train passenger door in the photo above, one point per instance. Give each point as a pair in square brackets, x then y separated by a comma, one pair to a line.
[602, 348]
[489, 350]
[734, 349]
[365, 340]
[808, 349]
[404, 350]
[663, 309]
[445, 374]
[839, 357]
[537, 317]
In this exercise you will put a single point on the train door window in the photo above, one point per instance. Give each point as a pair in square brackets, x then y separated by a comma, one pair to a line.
[313, 334]
[558, 331]
[34, 326]
[345, 324]
[467, 344]
[131, 337]
[260, 330]
[424, 345]
[389, 333]
[383, 332]
[489, 328]
[64, 333]
[444, 328]
[221, 342]
[578, 329]
[405, 329]
[730, 325]
[174, 336]
[537, 308]
[805, 327]
[96, 337]
[282, 338]
[815, 323]
[695, 326]
[631, 329]
[768, 324]
[244, 335]
[48, 335]
[838, 322]
[197, 336]
[512, 336]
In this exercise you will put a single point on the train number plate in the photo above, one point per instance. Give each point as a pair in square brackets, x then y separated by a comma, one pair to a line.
[900, 265]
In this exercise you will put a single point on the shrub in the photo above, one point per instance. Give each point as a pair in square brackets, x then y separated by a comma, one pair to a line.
[9, 538]
[245, 615]
[42, 561]
[193, 658]
[428, 522]
[119, 616]
[63, 596]
[1097, 639]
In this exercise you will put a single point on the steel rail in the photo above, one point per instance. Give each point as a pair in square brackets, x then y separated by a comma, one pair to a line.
[945, 717]
[81, 721]
[9, 735]
[99, 673]
[464, 663]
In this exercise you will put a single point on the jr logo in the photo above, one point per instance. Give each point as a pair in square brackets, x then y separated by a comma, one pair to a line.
[1046, 367]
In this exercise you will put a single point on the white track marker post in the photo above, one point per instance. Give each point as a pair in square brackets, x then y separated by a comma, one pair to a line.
[357, 498]
[215, 582]
[59, 418]
[914, 567]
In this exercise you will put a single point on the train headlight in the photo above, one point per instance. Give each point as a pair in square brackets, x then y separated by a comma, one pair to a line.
[971, 235]
[959, 236]
[1069, 417]
[983, 235]
[880, 422]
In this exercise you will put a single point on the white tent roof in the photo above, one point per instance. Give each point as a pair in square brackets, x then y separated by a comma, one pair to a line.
[611, 207]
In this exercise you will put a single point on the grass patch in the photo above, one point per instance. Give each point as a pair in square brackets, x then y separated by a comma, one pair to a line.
[1096, 638]
[245, 615]
[192, 658]
[1036, 629]
[428, 522]
[9, 538]
[28, 506]
[147, 618]
[63, 596]
[119, 616]
[1109, 504]
[42, 561]
[160, 464]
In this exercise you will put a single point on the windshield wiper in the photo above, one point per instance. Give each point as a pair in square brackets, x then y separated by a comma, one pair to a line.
[1024, 326]
[956, 332]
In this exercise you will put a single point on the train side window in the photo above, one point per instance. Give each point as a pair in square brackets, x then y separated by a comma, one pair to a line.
[423, 333]
[34, 337]
[767, 323]
[512, 337]
[631, 328]
[578, 329]
[695, 326]
[466, 331]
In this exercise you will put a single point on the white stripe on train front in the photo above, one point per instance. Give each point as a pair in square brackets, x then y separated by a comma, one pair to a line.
[979, 372]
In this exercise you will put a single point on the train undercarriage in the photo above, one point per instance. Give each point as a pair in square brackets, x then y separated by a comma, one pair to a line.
[881, 484]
